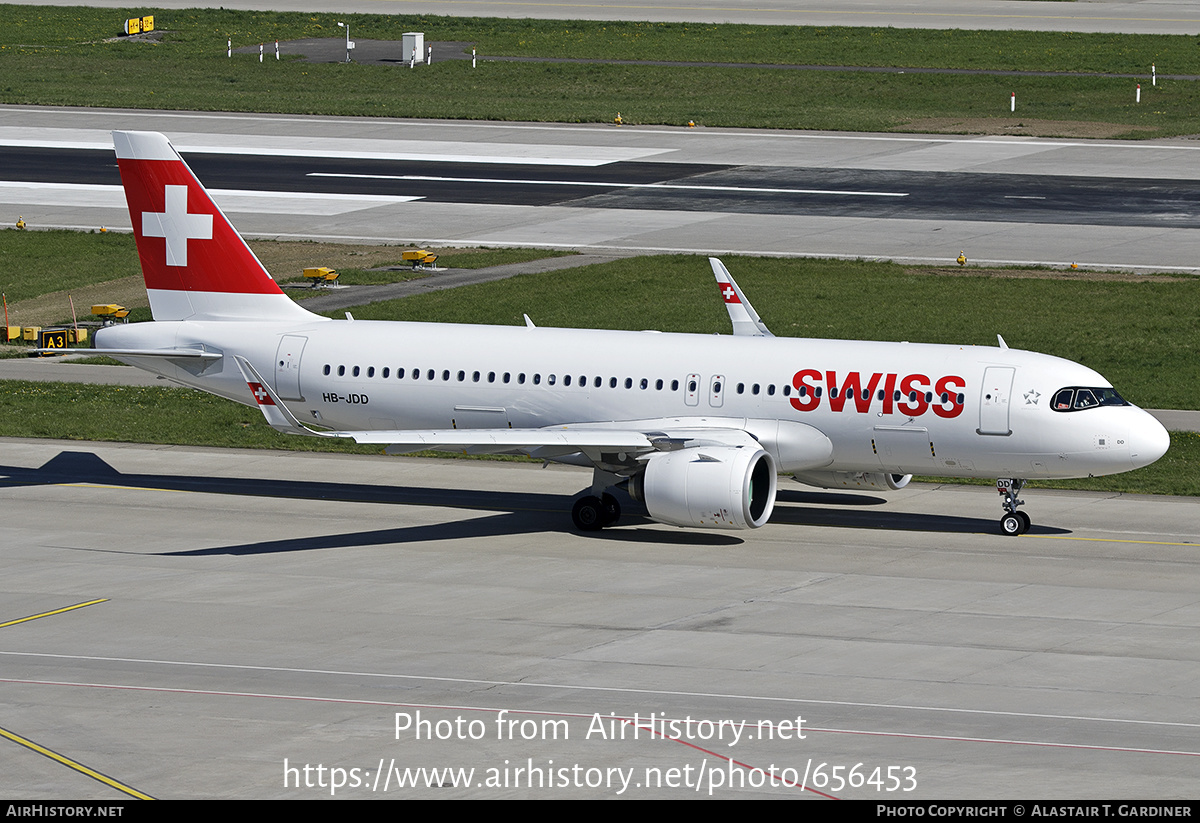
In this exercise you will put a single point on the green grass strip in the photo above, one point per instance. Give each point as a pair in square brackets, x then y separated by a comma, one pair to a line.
[45, 52]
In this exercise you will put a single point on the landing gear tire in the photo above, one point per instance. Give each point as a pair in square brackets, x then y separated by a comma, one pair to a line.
[589, 514]
[611, 509]
[1010, 524]
[1014, 523]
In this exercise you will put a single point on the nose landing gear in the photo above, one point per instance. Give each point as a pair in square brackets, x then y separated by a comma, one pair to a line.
[1013, 522]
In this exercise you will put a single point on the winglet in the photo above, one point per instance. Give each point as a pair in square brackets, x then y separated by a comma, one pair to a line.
[277, 414]
[745, 319]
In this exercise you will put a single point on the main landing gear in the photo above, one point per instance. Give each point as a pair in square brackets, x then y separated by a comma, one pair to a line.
[1013, 522]
[592, 513]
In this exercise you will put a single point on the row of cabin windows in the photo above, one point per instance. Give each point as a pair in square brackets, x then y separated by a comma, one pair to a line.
[944, 397]
[507, 377]
[598, 382]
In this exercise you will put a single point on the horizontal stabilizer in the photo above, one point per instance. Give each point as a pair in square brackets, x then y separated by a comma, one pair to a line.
[170, 354]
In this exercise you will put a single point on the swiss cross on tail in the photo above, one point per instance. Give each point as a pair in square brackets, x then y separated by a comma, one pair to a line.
[196, 265]
[176, 225]
[728, 293]
[260, 394]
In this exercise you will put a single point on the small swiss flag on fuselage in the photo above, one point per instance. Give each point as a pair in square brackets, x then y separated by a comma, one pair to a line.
[261, 394]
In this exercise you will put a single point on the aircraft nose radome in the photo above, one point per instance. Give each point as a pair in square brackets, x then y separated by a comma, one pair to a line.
[1148, 441]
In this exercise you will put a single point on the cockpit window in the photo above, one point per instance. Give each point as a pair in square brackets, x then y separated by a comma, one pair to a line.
[1078, 398]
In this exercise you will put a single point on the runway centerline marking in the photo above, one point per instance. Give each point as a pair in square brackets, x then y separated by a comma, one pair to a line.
[422, 178]
[55, 611]
[74, 764]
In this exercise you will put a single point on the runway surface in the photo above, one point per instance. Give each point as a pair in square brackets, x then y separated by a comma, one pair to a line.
[650, 186]
[1117, 16]
[261, 607]
[902, 197]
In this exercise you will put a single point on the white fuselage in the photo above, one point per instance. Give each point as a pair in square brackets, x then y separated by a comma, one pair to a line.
[963, 411]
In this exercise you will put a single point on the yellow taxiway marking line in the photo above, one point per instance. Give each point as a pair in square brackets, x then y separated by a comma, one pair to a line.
[1109, 540]
[83, 485]
[56, 611]
[79, 767]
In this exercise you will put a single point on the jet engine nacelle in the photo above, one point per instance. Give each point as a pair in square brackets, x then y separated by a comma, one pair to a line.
[854, 480]
[714, 487]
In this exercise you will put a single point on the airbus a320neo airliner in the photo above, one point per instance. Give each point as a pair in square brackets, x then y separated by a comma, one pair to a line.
[697, 427]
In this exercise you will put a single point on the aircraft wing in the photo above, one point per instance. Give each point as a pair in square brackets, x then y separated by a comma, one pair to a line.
[631, 439]
[745, 319]
[553, 441]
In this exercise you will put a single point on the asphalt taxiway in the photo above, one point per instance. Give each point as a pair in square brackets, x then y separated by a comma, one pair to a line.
[254, 613]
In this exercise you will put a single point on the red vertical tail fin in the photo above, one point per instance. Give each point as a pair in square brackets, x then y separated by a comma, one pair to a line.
[196, 265]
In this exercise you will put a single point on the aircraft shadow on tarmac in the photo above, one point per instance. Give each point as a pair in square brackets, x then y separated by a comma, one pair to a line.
[518, 512]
